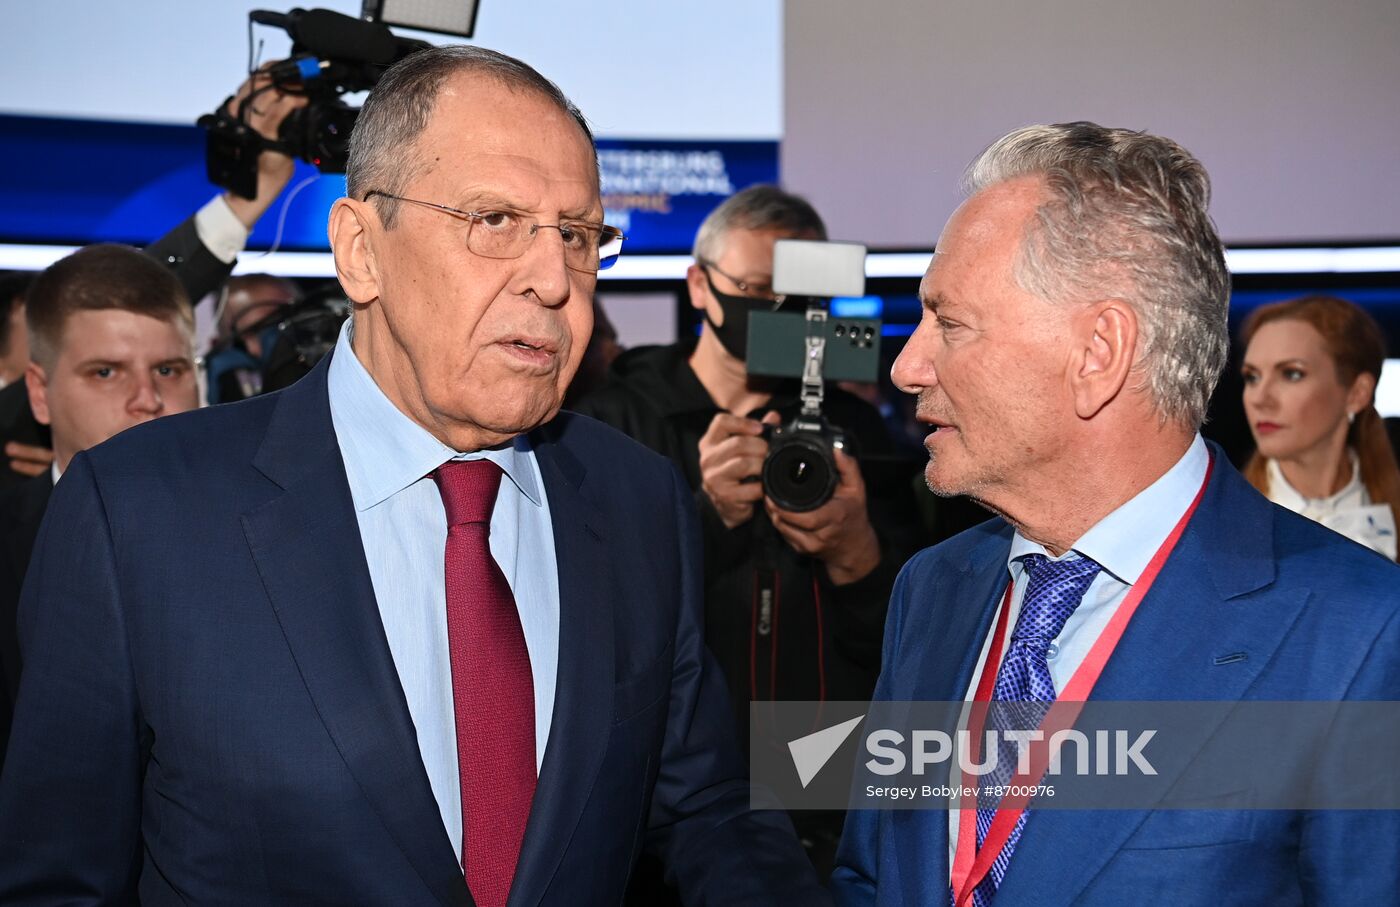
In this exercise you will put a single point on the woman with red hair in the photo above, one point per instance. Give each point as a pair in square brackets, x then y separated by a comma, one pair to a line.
[1310, 372]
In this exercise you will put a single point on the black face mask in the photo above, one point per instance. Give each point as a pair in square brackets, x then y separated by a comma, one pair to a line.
[733, 335]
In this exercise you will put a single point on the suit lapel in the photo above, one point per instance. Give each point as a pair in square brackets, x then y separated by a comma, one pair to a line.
[583, 704]
[307, 548]
[921, 836]
[1200, 608]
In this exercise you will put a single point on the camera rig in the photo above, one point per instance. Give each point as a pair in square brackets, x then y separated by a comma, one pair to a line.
[800, 470]
[332, 55]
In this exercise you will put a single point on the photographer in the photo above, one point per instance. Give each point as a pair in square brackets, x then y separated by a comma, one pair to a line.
[247, 331]
[795, 602]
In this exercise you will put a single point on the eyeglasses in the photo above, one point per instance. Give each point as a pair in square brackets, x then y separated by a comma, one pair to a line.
[588, 247]
[754, 290]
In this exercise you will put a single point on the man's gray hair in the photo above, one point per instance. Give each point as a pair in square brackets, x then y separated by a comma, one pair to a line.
[1126, 218]
[383, 153]
[761, 207]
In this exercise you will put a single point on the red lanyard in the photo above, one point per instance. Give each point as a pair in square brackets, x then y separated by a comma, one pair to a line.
[971, 864]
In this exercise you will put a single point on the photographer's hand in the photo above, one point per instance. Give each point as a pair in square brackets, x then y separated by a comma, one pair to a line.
[731, 459]
[838, 533]
[265, 113]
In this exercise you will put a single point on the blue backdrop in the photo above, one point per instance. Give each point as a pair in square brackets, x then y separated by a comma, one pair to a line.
[69, 181]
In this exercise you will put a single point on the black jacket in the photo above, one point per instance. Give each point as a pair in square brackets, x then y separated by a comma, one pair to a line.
[821, 640]
[21, 509]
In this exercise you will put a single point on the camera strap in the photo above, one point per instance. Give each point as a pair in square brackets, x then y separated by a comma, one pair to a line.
[767, 589]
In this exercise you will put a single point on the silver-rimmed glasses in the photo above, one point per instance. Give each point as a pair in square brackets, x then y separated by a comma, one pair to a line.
[588, 247]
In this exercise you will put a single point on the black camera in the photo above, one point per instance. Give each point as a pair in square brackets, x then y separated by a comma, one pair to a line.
[305, 334]
[800, 472]
[332, 55]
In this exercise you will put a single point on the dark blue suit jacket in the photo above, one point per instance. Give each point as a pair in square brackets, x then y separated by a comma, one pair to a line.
[1317, 618]
[209, 712]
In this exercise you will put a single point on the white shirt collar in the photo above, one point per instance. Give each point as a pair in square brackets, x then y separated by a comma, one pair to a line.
[384, 450]
[1284, 494]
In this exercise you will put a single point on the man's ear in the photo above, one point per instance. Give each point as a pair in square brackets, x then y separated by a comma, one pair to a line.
[698, 286]
[351, 230]
[37, 383]
[1107, 341]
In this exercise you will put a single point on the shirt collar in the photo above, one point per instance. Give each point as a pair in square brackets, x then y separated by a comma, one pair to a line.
[1285, 495]
[1124, 542]
[384, 450]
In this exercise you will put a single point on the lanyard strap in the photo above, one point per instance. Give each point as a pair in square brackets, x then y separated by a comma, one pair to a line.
[970, 863]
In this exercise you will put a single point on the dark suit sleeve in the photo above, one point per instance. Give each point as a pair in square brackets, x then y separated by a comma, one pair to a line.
[70, 791]
[715, 848]
[197, 268]
[1348, 856]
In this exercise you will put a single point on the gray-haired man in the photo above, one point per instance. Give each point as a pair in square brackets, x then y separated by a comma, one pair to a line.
[394, 635]
[1073, 330]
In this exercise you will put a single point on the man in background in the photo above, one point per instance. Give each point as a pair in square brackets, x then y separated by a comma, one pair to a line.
[201, 251]
[246, 333]
[111, 339]
[794, 602]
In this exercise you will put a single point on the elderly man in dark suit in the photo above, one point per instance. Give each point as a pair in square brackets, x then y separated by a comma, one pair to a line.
[405, 634]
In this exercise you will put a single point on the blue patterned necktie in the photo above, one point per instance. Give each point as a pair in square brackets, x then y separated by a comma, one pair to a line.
[1053, 591]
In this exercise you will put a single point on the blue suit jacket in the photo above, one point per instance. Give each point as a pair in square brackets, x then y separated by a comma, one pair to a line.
[209, 712]
[1317, 617]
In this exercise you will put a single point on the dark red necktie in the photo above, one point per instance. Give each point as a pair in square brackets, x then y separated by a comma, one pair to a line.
[493, 690]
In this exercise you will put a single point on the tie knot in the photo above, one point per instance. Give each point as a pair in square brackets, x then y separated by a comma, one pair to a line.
[1053, 590]
[468, 489]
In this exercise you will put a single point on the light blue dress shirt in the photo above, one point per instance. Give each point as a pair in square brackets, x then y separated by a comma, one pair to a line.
[403, 526]
[1123, 544]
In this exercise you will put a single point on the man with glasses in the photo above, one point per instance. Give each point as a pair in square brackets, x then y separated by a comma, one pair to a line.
[794, 602]
[404, 636]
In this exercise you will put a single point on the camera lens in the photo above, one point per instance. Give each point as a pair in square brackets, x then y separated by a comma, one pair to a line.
[799, 474]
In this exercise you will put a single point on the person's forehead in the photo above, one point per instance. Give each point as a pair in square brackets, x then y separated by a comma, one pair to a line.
[264, 293]
[995, 218]
[484, 136]
[985, 233]
[1287, 338]
[753, 247]
[90, 333]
